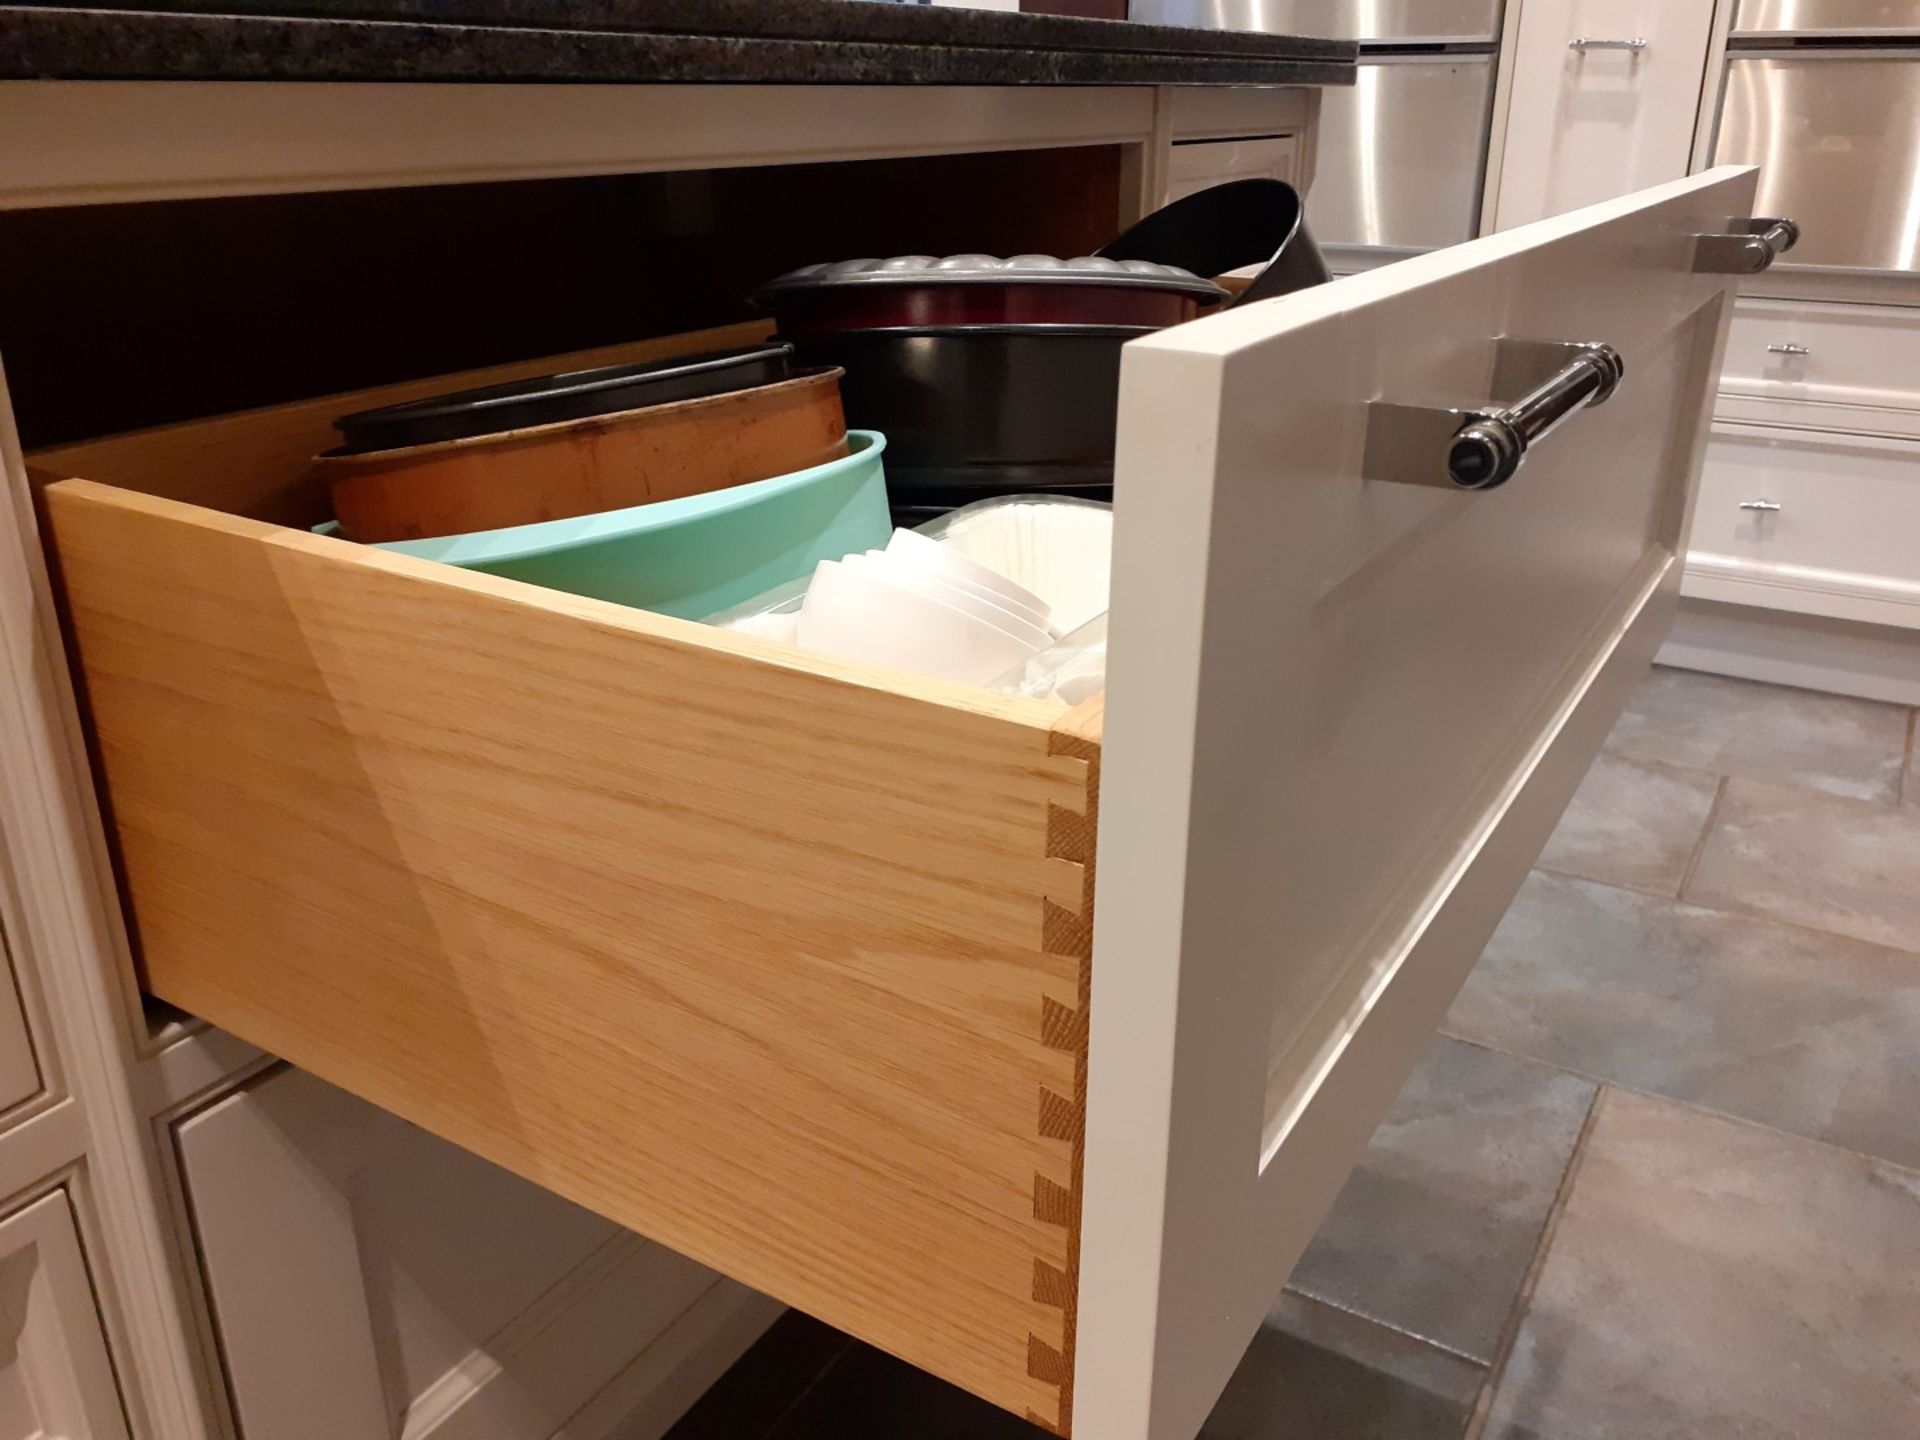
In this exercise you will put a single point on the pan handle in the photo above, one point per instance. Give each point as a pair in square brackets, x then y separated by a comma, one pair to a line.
[1226, 227]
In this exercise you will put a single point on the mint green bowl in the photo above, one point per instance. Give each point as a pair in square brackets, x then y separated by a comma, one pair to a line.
[694, 556]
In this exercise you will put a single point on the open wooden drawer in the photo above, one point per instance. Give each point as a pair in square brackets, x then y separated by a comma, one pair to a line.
[800, 967]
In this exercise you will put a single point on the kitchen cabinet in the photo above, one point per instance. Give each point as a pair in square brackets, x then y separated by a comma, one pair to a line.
[1816, 522]
[1833, 367]
[1820, 399]
[1807, 495]
[1604, 101]
[55, 1379]
[942, 1014]
[225, 190]
[1200, 164]
[367, 1279]
[19, 1070]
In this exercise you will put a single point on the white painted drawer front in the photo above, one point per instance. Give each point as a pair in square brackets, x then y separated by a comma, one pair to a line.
[1200, 164]
[55, 1380]
[19, 1070]
[1343, 715]
[371, 1281]
[1820, 523]
[1590, 119]
[1833, 354]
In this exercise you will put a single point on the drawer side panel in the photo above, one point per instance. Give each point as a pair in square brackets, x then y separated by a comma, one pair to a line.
[763, 959]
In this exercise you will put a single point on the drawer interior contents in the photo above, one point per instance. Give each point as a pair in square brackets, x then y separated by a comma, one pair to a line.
[773, 952]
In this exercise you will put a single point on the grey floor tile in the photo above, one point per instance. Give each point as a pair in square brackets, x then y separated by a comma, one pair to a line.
[1841, 865]
[1811, 1033]
[1766, 732]
[1710, 1278]
[1316, 1373]
[1434, 1232]
[1633, 823]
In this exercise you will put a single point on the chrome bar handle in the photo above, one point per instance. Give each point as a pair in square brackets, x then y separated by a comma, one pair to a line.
[1488, 449]
[1748, 247]
[1788, 349]
[1479, 449]
[1765, 506]
[1636, 44]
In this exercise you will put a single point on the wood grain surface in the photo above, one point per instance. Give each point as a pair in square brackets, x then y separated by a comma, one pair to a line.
[780, 961]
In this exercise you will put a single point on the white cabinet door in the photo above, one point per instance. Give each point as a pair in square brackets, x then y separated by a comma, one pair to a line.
[1605, 95]
[370, 1281]
[1201, 164]
[1343, 713]
[55, 1380]
[1816, 522]
[19, 1071]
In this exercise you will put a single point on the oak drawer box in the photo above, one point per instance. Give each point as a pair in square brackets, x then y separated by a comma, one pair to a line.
[801, 968]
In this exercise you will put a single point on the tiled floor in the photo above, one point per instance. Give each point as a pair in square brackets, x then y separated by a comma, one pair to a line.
[1661, 1177]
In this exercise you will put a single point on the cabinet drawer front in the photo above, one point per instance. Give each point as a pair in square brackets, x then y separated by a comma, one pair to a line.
[1811, 522]
[1344, 712]
[1205, 163]
[55, 1378]
[1829, 354]
[1591, 119]
[515, 1308]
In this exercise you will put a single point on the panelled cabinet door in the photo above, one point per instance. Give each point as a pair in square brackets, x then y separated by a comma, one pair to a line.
[1605, 96]
[55, 1379]
[370, 1281]
[19, 1069]
[1345, 707]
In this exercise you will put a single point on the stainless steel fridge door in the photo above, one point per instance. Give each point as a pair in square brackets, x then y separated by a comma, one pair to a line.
[1403, 153]
[1836, 135]
[1826, 17]
[1396, 20]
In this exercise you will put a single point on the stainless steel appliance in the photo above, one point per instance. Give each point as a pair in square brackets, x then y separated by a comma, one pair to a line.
[1824, 96]
[1403, 153]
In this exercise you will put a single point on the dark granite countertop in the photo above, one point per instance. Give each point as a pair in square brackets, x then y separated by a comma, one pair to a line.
[831, 42]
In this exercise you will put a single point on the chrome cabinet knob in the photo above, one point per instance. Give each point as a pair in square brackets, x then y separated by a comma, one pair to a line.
[1788, 349]
[1765, 506]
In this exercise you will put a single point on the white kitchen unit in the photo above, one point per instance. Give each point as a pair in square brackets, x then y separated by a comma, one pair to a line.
[1604, 99]
[55, 1379]
[1812, 366]
[1796, 572]
[1030, 1051]
[367, 1279]
[19, 1070]
[1222, 135]
[203, 1178]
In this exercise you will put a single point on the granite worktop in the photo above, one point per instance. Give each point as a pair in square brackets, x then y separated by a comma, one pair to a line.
[828, 42]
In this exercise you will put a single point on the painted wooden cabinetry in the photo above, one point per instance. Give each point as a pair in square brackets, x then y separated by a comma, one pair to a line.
[942, 1014]
[19, 1070]
[511, 1311]
[367, 1279]
[55, 1378]
[1809, 499]
[1604, 99]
